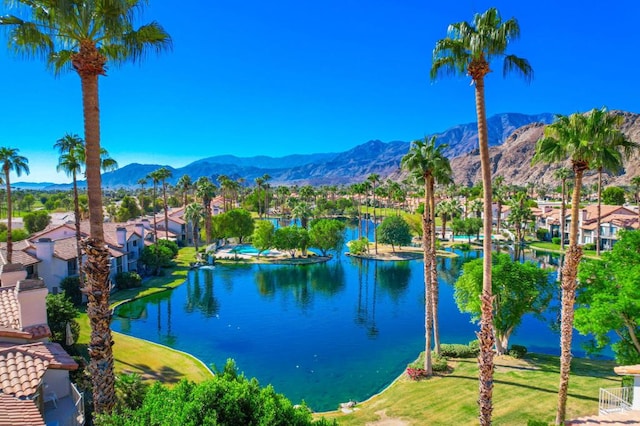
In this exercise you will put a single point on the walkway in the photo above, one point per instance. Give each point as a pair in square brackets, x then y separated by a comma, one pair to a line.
[625, 418]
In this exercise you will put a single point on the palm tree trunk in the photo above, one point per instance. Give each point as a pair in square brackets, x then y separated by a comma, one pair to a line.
[563, 213]
[569, 285]
[428, 312]
[76, 213]
[598, 232]
[486, 337]
[155, 221]
[166, 213]
[97, 265]
[375, 230]
[9, 214]
[434, 268]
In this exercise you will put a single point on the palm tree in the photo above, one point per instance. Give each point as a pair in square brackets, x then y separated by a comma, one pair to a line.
[374, 179]
[468, 50]
[205, 190]
[265, 179]
[635, 181]
[155, 178]
[609, 156]
[581, 138]
[499, 194]
[259, 181]
[142, 182]
[447, 209]
[11, 161]
[86, 40]
[427, 163]
[184, 184]
[162, 174]
[563, 173]
[193, 213]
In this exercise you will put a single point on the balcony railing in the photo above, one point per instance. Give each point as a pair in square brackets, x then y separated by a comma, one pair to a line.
[615, 400]
[66, 411]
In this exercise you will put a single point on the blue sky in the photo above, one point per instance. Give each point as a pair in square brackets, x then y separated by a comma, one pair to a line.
[250, 77]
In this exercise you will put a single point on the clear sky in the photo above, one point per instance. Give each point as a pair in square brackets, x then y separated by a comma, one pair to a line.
[255, 77]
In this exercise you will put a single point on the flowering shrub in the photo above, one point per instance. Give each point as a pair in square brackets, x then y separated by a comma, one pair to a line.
[416, 373]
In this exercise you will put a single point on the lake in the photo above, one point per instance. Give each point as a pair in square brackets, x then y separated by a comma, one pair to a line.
[325, 333]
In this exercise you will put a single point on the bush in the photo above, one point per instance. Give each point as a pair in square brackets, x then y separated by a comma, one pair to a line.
[517, 351]
[416, 373]
[171, 245]
[60, 312]
[589, 246]
[126, 280]
[474, 345]
[360, 246]
[457, 351]
[438, 363]
[71, 288]
[537, 423]
[542, 234]
[555, 240]
[462, 246]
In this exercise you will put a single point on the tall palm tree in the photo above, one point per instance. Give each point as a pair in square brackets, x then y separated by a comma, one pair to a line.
[266, 178]
[85, 36]
[581, 138]
[184, 184]
[142, 182]
[374, 179]
[563, 173]
[205, 190]
[609, 156]
[193, 213]
[11, 161]
[162, 174]
[499, 195]
[155, 179]
[428, 164]
[468, 50]
[259, 182]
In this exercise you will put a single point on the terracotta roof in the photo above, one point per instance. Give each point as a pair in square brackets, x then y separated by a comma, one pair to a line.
[10, 325]
[18, 256]
[66, 248]
[14, 411]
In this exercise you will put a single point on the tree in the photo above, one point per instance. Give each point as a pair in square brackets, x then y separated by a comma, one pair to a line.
[86, 40]
[468, 50]
[326, 234]
[205, 190]
[394, 230]
[302, 211]
[519, 215]
[161, 175]
[184, 185]
[237, 223]
[580, 138]
[128, 209]
[635, 181]
[609, 300]
[447, 210]
[291, 238]
[194, 213]
[142, 182]
[262, 238]
[60, 312]
[11, 161]
[374, 179]
[36, 221]
[427, 164]
[563, 174]
[519, 289]
[613, 196]
[156, 256]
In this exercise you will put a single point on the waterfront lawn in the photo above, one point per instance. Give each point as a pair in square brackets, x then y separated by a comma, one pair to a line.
[152, 361]
[555, 248]
[523, 391]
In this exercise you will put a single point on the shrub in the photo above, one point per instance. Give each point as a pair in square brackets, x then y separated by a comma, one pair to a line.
[71, 287]
[358, 246]
[517, 351]
[462, 246]
[438, 363]
[542, 234]
[474, 345]
[60, 312]
[171, 245]
[537, 423]
[126, 280]
[457, 351]
[589, 246]
[416, 373]
[555, 240]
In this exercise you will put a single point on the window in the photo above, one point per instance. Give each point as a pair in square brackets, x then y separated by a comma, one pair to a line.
[72, 267]
[135, 243]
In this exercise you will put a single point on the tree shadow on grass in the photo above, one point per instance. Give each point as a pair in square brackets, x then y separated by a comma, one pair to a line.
[166, 374]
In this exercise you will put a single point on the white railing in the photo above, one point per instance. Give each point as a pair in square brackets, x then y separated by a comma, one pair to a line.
[78, 400]
[615, 400]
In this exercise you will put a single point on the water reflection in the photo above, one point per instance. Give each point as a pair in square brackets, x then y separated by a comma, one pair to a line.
[200, 299]
[394, 279]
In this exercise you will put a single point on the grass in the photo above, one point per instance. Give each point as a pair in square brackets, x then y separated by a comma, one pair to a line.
[153, 361]
[555, 248]
[523, 390]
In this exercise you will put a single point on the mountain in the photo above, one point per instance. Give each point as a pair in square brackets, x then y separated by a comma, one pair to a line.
[512, 159]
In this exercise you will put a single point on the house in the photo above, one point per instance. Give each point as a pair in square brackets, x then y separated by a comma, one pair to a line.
[35, 387]
[612, 220]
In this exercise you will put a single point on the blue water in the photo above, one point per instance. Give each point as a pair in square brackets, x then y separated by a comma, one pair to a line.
[324, 333]
[248, 249]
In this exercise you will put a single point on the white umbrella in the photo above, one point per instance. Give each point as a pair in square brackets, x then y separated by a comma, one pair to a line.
[69, 336]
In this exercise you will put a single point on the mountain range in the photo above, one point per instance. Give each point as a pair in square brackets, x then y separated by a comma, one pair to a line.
[512, 138]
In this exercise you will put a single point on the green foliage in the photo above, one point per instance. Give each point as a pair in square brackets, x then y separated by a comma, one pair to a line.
[71, 287]
[519, 288]
[236, 223]
[555, 240]
[394, 230]
[543, 235]
[537, 423]
[227, 399]
[613, 195]
[60, 311]
[461, 246]
[608, 298]
[126, 280]
[589, 246]
[517, 351]
[36, 221]
[291, 238]
[16, 235]
[359, 246]
[470, 226]
[457, 351]
[262, 238]
[128, 209]
[326, 234]
[438, 362]
[155, 257]
[171, 245]
[130, 392]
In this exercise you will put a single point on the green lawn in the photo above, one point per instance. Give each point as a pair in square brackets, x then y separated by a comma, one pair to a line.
[152, 361]
[523, 391]
[555, 248]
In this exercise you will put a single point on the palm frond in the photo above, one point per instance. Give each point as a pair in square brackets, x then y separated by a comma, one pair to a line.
[519, 65]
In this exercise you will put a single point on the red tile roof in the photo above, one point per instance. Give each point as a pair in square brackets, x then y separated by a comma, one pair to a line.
[14, 411]
[10, 325]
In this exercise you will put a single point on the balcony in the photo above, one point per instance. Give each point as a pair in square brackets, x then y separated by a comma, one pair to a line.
[67, 411]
